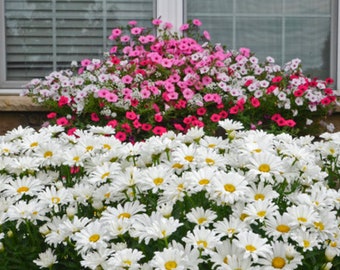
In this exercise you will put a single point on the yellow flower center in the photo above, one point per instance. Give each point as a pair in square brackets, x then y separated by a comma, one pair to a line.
[231, 230]
[210, 161]
[177, 166]
[319, 225]
[180, 187]
[189, 158]
[34, 144]
[76, 158]
[23, 189]
[89, 148]
[202, 243]
[204, 182]
[264, 168]
[243, 216]
[104, 175]
[106, 146]
[107, 195]
[55, 200]
[278, 262]
[170, 265]
[229, 188]
[158, 180]
[250, 248]
[283, 228]
[259, 196]
[261, 213]
[48, 154]
[333, 244]
[124, 215]
[94, 237]
[302, 219]
[127, 262]
[225, 260]
[306, 243]
[257, 150]
[201, 220]
[212, 145]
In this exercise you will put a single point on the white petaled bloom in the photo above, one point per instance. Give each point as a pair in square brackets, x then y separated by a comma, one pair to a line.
[201, 217]
[155, 177]
[185, 155]
[126, 259]
[261, 191]
[46, 259]
[278, 259]
[260, 210]
[200, 178]
[306, 239]
[126, 211]
[54, 198]
[104, 173]
[230, 227]
[30, 142]
[239, 263]
[279, 226]
[202, 238]
[175, 189]
[302, 215]
[210, 157]
[265, 165]
[93, 236]
[96, 259]
[253, 245]
[27, 185]
[227, 187]
[49, 154]
[224, 250]
[169, 259]
[74, 156]
[153, 227]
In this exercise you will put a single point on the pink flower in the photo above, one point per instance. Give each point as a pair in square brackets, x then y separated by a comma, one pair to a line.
[132, 23]
[51, 115]
[126, 127]
[206, 80]
[201, 111]
[85, 62]
[112, 123]
[125, 38]
[94, 117]
[178, 127]
[277, 79]
[146, 127]
[215, 117]
[157, 22]
[208, 97]
[111, 97]
[145, 93]
[102, 93]
[255, 102]
[184, 27]
[131, 115]
[71, 131]
[120, 135]
[159, 130]
[168, 25]
[62, 121]
[188, 93]
[245, 51]
[290, 122]
[136, 30]
[196, 22]
[136, 123]
[127, 79]
[63, 101]
[206, 35]
[158, 117]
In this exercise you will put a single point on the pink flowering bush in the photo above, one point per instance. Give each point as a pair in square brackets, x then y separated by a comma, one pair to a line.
[151, 83]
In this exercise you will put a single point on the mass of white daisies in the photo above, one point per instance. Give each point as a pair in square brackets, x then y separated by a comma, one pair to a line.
[250, 200]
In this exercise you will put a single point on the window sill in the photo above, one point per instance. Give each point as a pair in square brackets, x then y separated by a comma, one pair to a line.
[19, 104]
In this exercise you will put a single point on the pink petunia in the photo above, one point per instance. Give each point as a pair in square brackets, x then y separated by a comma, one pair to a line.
[131, 115]
[51, 115]
[255, 102]
[201, 111]
[112, 123]
[94, 117]
[111, 97]
[159, 130]
[120, 135]
[215, 117]
[127, 79]
[157, 22]
[245, 51]
[158, 117]
[146, 126]
[62, 121]
[184, 27]
[132, 23]
[136, 30]
[102, 93]
[188, 93]
[63, 100]
[206, 35]
[196, 22]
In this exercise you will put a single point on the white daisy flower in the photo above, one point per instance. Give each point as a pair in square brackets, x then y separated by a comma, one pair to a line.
[278, 225]
[169, 258]
[260, 210]
[227, 187]
[202, 238]
[253, 245]
[303, 215]
[230, 226]
[201, 217]
[27, 185]
[126, 259]
[46, 259]
[96, 259]
[93, 236]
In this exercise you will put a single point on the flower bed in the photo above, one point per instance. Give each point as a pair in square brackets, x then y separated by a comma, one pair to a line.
[189, 201]
[149, 84]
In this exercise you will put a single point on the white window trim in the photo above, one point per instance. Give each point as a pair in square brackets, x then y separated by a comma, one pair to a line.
[169, 11]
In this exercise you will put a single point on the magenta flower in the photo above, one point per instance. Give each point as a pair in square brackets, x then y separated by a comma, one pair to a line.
[62, 121]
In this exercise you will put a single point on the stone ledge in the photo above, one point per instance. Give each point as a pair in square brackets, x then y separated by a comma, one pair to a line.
[19, 104]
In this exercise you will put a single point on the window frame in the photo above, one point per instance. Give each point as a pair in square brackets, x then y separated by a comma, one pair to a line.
[175, 12]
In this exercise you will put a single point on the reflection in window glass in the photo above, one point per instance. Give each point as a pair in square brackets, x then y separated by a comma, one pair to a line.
[283, 29]
[44, 35]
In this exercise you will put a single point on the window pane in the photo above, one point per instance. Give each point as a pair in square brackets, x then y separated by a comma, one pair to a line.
[44, 35]
[283, 29]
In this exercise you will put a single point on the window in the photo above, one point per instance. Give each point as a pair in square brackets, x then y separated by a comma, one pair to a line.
[45, 35]
[38, 36]
[283, 29]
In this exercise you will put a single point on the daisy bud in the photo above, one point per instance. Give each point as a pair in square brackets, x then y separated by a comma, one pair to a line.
[71, 211]
[327, 266]
[44, 230]
[97, 205]
[2, 248]
[10, 233]
[330, 254]
[290, 253]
